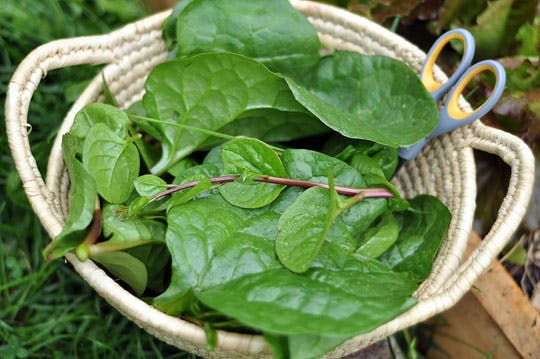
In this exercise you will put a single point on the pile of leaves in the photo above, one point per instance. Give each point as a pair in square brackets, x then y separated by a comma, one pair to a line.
[509, 31]
[211, 168]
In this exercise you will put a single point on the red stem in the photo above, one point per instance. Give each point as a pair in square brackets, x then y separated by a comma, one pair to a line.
[349, 191]
[95, 229]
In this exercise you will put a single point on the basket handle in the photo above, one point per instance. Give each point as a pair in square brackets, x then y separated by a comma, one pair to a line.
[515, 153]
[521, 161]
[93, 50]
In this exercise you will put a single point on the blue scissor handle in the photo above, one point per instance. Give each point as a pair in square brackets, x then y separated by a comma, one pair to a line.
[436, 88]
[451, 115]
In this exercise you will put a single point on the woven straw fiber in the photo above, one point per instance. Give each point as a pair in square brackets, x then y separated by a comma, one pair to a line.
[445, 169]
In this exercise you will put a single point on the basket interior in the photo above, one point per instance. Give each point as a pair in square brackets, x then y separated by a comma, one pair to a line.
[445, 168]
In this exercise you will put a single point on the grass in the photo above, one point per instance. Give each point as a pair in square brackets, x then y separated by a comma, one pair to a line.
[46, 309]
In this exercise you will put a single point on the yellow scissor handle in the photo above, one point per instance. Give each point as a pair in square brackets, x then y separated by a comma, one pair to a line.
[451, 115]
[452, 107]
[436, 88]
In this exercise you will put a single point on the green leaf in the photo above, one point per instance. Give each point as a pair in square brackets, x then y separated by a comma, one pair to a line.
[336, 258]
[126, 268]
[251, 157]
[497, 25]
[523, 76]
[302, 229]
[369, 97]
[123, 9]
[143, 206]
[82, 203]
[228, 262]
[211, 336]
[455, 13]
[169, 27]
[421, 230]
[115, 119]
[213, 157]
[149, 185]
[156, 258]
[270, 31]
[279, 345]
[184, 196]
[208, 250]
[301, 346]
[372, 173]
[208, 91]
[179, 167]
[385, 158]
[109, 97]
[517, 254]
[272, 126]
[309, 221]
[379, 238]
[376, 163]
[314, 166]
[321, 302]
[312, 346]
[198, 172]
[125, 232]
[529, 36]
[135, 112]
[149, 154]
[113, 162]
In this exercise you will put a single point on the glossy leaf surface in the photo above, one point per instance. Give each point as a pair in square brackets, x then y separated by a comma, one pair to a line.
[113, 162]
[421, 230]
[269, 31]
[250, 157]
[379, 238]
[302, 229]
[208, 250]
[208, 91]
[93, 113]
[149, 185]
[125, 267]
[123, 230]
[369, 97]
[280, 301]
[82, 203]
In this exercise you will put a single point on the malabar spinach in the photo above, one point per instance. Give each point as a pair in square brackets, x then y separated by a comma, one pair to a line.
[212, 196]
[208, 91]
[83, 202]
[113, 162]
[303, 228]
[251, 158]
[125, 267]
[361, 97]
[421, 228]
[271, 32]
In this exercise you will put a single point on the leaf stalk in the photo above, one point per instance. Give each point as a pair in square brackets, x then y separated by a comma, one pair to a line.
[348, 191]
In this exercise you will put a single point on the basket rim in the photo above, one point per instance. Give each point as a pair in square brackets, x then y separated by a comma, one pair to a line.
[102, 50]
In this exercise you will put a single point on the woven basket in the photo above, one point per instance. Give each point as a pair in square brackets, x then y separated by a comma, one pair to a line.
[445, 169]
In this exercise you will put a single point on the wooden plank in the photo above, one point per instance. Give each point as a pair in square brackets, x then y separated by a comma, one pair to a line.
[494, 318]
[505, 302]
[468, 331]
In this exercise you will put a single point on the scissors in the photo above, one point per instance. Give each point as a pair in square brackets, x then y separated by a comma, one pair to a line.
[451, 115]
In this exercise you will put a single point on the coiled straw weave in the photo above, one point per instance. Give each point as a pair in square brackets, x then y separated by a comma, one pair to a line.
[445, 169]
